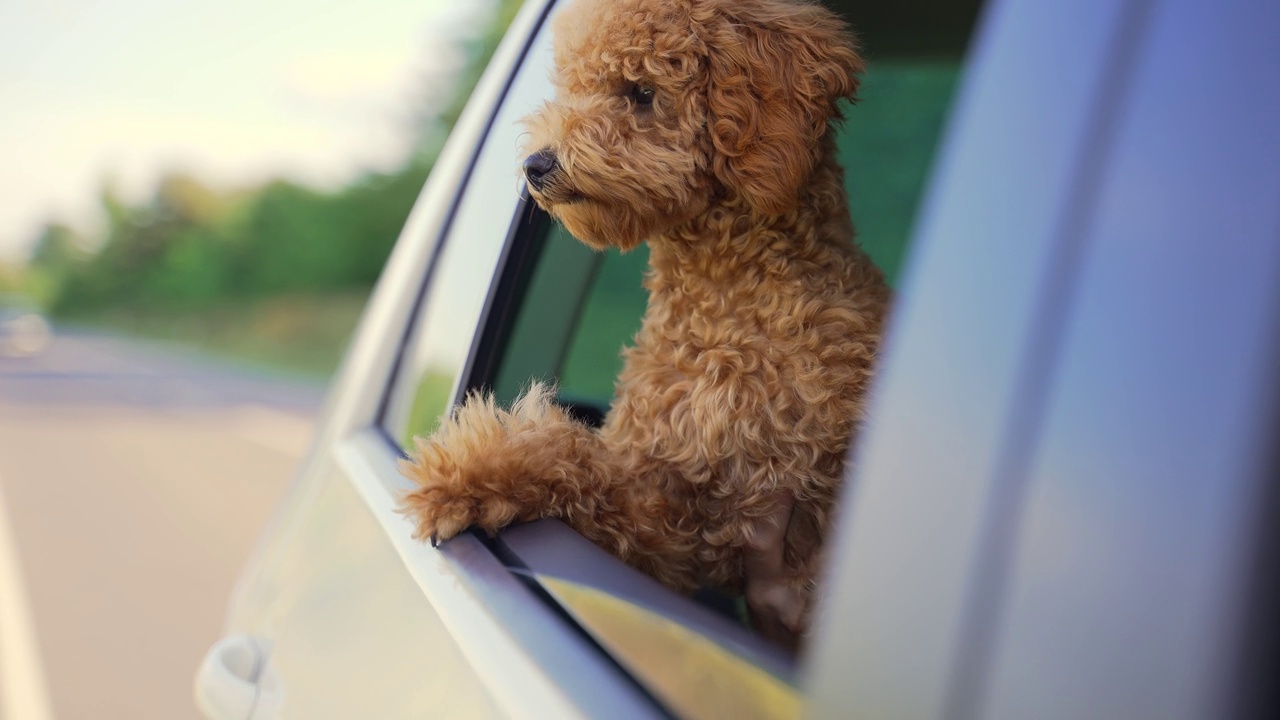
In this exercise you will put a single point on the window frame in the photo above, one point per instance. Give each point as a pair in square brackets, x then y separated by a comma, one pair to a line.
[524, 244]
[369, 453]
[536, 663]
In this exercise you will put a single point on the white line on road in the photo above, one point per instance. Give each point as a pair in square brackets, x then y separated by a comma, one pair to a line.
[23, 692]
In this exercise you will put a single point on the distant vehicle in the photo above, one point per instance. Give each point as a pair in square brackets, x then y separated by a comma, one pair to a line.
[24, 332]
[1064, 504]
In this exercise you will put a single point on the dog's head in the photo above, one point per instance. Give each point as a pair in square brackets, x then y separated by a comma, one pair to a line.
[663, 107]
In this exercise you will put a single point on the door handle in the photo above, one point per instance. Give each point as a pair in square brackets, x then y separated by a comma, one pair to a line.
[236, 682]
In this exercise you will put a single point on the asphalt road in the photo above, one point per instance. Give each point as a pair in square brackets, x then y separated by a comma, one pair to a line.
[134, 480]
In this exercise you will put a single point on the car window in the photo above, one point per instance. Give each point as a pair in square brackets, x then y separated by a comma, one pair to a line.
[513, 298]
[581, 308]
[609, 320]
[459, 282]
[578, 309]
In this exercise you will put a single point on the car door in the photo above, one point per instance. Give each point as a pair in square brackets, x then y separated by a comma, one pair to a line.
[342, 613]
[1066, 504]
[556, 311]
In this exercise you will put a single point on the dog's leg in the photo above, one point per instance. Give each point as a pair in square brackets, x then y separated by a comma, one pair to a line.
[776, 601]
[487, 467]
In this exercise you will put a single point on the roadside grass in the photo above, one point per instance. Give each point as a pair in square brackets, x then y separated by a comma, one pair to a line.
[300, 334]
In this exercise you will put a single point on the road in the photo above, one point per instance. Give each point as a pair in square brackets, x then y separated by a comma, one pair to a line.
[133, 482]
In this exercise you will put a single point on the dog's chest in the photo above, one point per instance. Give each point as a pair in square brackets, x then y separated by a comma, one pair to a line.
[715, 385]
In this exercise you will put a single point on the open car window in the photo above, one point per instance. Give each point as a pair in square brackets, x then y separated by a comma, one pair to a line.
[579, 308]
[513, 299]
[887, 144]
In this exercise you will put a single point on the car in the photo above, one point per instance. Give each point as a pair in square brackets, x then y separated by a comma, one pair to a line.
[1063, 503]
[24, 331]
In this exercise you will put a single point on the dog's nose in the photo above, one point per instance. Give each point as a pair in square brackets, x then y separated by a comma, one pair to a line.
[538, 166]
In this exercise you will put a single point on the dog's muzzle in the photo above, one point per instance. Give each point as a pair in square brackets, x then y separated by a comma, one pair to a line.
[539, 166]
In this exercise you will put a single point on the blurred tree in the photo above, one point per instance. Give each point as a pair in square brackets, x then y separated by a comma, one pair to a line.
[478, 52]
[13, 278]
[58, 247]
[191, 249]
[189, 200]
[56, 256]
[436, 122]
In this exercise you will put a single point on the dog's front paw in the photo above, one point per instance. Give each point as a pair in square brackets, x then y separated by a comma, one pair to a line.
[458, 484]
[479, 468]
[438, 512]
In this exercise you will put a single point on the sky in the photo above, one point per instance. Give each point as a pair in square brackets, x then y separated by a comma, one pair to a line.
[234, 92]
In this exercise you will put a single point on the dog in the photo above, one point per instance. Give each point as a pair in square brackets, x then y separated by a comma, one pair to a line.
[701, 127]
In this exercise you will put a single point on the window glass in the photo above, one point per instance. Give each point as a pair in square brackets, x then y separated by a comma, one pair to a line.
[547, 313]
[609, 321]
[427, 381]
[578, 312]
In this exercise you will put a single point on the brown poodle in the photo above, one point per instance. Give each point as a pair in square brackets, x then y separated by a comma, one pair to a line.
[701, 127]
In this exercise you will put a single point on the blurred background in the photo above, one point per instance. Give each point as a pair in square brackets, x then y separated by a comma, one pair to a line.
[197, 199]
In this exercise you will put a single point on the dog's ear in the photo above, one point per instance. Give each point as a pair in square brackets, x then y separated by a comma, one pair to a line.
[776, 72]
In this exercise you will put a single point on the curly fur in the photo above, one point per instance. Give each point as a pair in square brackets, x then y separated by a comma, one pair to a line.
[721, 456]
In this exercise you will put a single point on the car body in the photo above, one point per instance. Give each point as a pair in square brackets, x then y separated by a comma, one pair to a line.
[1064, 501]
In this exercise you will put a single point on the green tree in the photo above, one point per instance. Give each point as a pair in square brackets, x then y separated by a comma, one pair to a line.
[190, 250]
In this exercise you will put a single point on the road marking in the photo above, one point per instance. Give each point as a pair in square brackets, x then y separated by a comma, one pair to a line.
[23, 691]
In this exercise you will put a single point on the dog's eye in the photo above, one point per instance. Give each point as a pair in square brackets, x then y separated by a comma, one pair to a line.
[643, 96]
